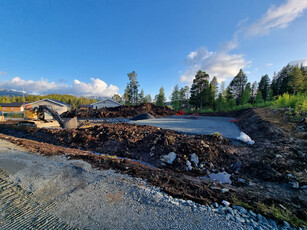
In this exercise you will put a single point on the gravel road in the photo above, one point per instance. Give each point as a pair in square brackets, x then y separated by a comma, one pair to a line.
[86, 198]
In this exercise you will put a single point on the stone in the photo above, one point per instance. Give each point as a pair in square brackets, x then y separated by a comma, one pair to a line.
[215, 205]
[229, 217]
[239, 219]
[240, 180]
[169, 158]
[291, 175]
[226, 203]
[189, 165]
[294, 184]
[252, 213]
[272, 223]
[243, 211]
[259, 217]
[223, 190]
[286, 224]
[194, 159]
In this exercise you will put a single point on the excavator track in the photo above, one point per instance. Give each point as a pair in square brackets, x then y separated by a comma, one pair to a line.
[20, 210]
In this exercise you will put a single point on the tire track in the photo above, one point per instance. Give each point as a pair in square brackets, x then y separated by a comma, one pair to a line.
[20, 210]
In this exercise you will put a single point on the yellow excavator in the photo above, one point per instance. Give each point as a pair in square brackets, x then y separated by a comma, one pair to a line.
[36, 117]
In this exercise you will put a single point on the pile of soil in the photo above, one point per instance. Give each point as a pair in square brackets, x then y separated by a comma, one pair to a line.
[120, 111]
[144, 143]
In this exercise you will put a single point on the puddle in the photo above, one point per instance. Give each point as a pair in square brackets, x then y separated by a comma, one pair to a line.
[222, 177]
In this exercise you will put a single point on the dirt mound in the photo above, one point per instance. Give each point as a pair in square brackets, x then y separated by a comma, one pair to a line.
[120, 111]
[144, 143]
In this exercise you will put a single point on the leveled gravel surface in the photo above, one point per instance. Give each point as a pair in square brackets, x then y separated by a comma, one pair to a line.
[86, 198]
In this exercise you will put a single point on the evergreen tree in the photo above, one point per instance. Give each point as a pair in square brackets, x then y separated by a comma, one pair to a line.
[296, 80]
[259, 98]
[237, 85]
[264, 86]
[198, 89]
[128, 95]
[142, 97]
[133, 88]
[175, 98]
[147, 99]
[254, 91]
[160, 97]
[220, 103]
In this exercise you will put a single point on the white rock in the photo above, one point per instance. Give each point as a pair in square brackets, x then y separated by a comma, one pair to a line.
[223, 190]
[189, 165]
[194, 158]
[245, 138]
[169, 158]
[226, 203]
[295, 184]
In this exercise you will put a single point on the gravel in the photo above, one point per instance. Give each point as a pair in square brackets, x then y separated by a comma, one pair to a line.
[87, 198]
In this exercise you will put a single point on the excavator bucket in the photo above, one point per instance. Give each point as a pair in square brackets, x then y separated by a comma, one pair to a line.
[70, 123]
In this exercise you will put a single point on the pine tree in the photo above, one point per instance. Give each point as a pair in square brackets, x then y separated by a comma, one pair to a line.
[141, 97]
[133, 88]
[296, 79]
[254, 91]
[160, 97]
[198, 89]
[175, 98]
[264, 86]
[259, 98]
[237, 85]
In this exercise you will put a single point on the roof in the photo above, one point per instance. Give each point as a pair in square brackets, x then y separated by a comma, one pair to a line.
[13, 104]
[52, 100]
[106, 99]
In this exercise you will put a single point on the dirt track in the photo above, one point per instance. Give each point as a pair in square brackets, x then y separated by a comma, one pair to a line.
[264, 166]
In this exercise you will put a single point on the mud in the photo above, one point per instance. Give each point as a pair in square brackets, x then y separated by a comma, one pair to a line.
[264, 166]
[121, 111]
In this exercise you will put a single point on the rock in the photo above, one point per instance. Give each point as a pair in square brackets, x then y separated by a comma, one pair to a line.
[223, 190]
[259, 217]
[243, 211]
[239, 219]
[291, 176]
[304, 187]
[211, 165]
[226, 203]
[169, 158]
[221, 210]
[215, 205]
[189, 165]
[272, 223]
[194, 159]
[229, 217]
[286, 224]
[278, 155]
[252, 213]
[240, 180]
[294, 184]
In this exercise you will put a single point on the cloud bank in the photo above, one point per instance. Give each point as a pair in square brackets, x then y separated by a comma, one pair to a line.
[223, 63]
[220, 64]
[96, 87]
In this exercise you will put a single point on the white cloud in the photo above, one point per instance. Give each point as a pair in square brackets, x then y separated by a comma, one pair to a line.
[277, 17]
[96, 87]
[299, 62]
[268, 65]
[221, 64]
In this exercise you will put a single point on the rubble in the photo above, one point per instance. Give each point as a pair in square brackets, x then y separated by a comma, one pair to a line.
[169, 158]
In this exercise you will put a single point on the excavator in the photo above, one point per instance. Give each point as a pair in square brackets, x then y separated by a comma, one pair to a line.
[36, 117]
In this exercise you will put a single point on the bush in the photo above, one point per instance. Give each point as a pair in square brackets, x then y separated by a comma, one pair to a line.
[297, 102]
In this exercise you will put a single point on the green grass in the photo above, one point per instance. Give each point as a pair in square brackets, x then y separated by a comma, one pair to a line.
[280, 214]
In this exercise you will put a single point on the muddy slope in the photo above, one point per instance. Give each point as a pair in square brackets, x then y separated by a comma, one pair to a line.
[121, 111]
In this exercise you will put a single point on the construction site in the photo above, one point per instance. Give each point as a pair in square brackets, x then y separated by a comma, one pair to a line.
[252, 158]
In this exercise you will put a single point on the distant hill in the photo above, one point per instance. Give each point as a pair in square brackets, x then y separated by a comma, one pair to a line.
[9, 92]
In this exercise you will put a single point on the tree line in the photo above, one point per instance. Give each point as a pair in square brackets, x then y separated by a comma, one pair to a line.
[74, 101]
[206, 95]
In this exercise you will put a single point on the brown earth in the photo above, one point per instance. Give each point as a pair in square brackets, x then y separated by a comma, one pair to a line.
[265, 166]
[120, 111]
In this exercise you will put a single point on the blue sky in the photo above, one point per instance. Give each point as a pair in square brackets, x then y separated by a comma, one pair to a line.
[88, 47]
